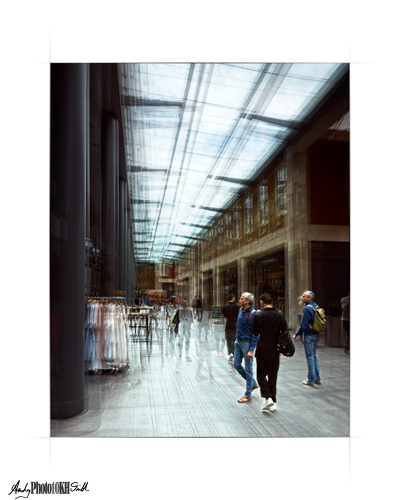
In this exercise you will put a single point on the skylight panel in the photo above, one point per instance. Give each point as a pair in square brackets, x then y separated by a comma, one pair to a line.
[219, 198]
[252, 151]
[224, 95]
[287, 107]
[164, 81]
[170, 70]
[225, 92]
[313, 71]
[238, 72]
[207, 148]
[302, 84]
[200, 163]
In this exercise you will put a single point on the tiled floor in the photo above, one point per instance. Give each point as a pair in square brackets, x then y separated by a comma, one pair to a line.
[159, 396]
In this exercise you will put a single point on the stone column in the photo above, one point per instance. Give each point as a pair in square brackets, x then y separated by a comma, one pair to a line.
[218, 285]
[214, 287]
[243, 276]
[297, 249]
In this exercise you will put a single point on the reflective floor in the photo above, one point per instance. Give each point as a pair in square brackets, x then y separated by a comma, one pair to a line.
[160, 396]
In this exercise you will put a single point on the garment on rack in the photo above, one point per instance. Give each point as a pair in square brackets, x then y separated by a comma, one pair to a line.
[105, 335]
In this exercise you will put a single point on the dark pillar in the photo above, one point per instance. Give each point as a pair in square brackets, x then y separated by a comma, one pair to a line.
[131, 269]
[126, 238]
[123, 241]
[117, 226]
[109, 209]
[128, 269]
[87, 195]
[69, 122]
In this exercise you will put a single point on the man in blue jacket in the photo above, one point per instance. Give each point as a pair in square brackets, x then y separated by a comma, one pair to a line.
[310, 339]
[245, 344]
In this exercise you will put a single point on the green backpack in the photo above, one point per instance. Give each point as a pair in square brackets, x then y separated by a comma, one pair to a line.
[250, 318]
[319, 319]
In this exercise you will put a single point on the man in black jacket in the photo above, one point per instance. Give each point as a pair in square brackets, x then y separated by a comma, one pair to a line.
[268, 324]
[230, 312]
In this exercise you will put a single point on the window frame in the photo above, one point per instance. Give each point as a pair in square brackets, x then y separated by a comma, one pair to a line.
[281, 190]
[237, 216]
[263, 208]
[248, 213]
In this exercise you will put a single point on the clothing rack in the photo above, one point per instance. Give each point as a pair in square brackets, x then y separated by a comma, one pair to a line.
[95, 297]
[106, 331]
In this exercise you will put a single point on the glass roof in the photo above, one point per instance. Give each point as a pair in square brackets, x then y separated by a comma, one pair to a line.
[195, 133]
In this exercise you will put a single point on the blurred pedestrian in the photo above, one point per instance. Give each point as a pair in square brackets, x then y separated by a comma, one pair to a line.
[184, 329]
[172, 324]
[345, 303]
[230, 312]
[194, 306]
[219, 334]
[203, 350]
[199, 308]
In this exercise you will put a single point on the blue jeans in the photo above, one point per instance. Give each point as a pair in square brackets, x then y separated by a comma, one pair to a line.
[241, 350]
[310, 347]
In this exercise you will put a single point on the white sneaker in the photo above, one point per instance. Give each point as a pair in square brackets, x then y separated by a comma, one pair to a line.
[268, 405]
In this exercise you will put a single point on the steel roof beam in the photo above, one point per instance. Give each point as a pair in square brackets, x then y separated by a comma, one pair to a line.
[272, 121]
[130, 100]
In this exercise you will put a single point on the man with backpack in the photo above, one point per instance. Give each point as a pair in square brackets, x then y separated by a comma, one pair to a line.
[310, 336]
[245, 344]
[268, 325]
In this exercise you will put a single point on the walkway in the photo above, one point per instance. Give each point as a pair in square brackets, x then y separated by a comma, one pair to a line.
[159, 396]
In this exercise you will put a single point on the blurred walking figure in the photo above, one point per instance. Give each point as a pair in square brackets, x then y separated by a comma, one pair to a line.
[200, 308]
[345, 303]
[172, 309]
[203, 350]
[194, 306]
[219, 339]
[310, 338]
[230, 312]
[185, 317]
[245, 344]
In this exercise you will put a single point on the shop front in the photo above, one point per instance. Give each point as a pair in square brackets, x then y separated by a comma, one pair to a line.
[207, 296]
[229, 282]
[267, 275]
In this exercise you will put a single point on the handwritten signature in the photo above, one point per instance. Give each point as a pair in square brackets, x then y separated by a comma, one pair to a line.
[16, 489]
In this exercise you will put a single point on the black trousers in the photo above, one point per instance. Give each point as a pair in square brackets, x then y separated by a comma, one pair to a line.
[230, 337]
[346, 328]
[267, 376]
